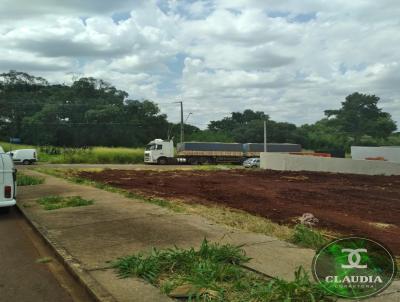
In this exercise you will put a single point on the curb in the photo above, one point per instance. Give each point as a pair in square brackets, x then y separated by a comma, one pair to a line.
[73, 266]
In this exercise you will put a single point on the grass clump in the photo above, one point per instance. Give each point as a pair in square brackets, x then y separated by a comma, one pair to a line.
[28, 180]
[58, 202]
[308, 237]
[214, 273]
[44, 260]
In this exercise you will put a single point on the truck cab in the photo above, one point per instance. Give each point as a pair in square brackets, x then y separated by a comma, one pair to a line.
[159, 151]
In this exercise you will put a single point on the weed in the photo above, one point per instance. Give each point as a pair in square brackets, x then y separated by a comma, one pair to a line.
[301, 289]
[44, 260]
[28, 180]
[307, 237]
[214, 273]
[58, 202]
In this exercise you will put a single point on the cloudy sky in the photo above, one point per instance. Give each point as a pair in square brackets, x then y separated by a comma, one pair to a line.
[292, 59]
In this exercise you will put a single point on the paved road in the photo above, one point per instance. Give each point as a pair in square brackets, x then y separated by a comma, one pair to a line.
[103, 166]
[118, 166]
[22, 278]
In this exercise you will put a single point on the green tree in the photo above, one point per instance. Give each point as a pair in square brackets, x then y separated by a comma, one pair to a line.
[20, 96]
[237, 119]
[248, 126]
[88, 112]
[323, 136]
[359, 116]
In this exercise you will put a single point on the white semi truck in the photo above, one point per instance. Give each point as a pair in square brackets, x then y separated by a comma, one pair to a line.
[162, 152]
[159, 151]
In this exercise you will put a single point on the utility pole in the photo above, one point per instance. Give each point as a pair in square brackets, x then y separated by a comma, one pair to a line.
[265, 136]
[181, 121]
[180, 102]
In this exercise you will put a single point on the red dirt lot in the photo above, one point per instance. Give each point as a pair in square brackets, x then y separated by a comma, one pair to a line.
[348, 204]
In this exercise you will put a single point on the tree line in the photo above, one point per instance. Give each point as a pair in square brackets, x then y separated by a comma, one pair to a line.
[92, 112]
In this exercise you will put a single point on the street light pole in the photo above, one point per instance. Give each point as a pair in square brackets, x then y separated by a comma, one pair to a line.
[181, 121]
[265, 136]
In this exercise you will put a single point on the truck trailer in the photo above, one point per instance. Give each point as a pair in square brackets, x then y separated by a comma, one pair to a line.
[162, 152]
[254, 149]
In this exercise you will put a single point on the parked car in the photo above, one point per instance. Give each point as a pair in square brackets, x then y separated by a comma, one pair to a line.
[252, 163]
[8, 176]
[24, 156]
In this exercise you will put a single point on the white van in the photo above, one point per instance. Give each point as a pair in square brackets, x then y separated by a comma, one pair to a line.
[24, 156]
[7, 182]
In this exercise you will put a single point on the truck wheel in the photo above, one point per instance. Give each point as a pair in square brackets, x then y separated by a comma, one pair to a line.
[193, 161]
[26, 162]
[162, 161]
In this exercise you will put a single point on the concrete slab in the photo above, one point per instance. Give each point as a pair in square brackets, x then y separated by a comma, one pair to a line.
[130, 289]
[279, 259]
[97, 243]
[70, 217]
[384, 298]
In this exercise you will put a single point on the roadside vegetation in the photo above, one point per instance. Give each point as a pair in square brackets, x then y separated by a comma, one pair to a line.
[97, 155]
[89, 155]
[57, 202]
[28, 180]
[214, 273]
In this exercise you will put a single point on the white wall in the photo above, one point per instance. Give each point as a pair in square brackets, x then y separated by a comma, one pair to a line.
[286, 162]
[391, 154]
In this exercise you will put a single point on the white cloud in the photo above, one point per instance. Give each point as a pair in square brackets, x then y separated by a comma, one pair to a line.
[26, 8]
[292, 59]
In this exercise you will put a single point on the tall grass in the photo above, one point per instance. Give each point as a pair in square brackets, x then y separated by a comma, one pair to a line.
[90, 155]
[100, 155]
[8, 147]
[28, 180]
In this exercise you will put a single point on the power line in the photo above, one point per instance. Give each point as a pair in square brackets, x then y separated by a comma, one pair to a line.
[88, 103]
[62, 123]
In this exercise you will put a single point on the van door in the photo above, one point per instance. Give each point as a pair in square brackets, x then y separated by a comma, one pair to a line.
[1, 172]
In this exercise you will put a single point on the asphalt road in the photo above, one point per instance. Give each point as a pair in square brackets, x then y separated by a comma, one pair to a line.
[104, 166]
[118, 166]
[22, 276]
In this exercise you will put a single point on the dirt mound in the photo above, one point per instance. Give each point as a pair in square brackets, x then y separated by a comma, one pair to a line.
[350, 204]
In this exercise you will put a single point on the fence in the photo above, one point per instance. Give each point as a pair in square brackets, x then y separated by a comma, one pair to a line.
[285, 162]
